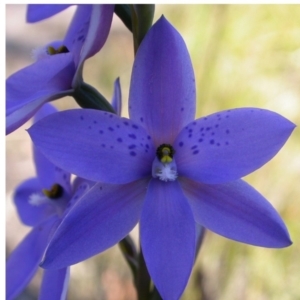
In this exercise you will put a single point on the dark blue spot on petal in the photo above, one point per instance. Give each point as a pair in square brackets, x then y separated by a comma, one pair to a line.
[119, 140]
[132, 153]
[142, 119]
[111, 129]
[134, 126]
[126, 123]
[103, 145]
[131, 146]
[194, 147]
[196, 152]
[227, 131]
[212, 142]
[131, 135]
[180, 144]
[101, 131]
[200, 140]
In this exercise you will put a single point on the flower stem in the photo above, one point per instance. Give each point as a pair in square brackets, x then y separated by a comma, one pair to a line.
[143, 279]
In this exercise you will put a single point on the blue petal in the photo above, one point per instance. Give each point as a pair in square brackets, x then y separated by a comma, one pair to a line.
[46, 110]
[78, 30]
[99, 220]
[31, 215]
[95, 145]
[48, 174]
[38, 12]
[168, 237]
[238, 212]
[23, 261]
[162, 91]
[23, 99]
[100, 22]
[228, 145]
[117, 97]
[55, 284]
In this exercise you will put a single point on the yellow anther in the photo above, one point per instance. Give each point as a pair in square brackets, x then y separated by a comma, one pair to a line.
[55, 192]
[51, 50]
[61, 49]
[165, 153]
[166, 159]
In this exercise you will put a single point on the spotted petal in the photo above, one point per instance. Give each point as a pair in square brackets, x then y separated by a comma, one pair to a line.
[55, 284]
[100, 219]
[168, 237]
[228, 145]
[47, 173]
[236, 211]
[53, 77]
[38, 12]
[162, 91]
[24, 260]
[95, 145]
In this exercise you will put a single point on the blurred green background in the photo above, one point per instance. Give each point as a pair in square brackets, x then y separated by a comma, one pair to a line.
[243, 56]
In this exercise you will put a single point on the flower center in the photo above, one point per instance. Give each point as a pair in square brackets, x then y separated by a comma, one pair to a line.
[50, 49]
[164, 166]
[61, 49]
[47, 196]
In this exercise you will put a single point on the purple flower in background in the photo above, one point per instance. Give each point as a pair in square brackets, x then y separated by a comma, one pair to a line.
[39, 12]
[41, 203]
[163, 169]
[58, 69]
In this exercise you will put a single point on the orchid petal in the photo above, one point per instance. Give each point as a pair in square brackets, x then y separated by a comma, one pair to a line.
[162, 91]
[95, 145]
[228, 145]
[100, 219]
[47, 173]
[78, 30]
[117, 97]
[31, 214]
[38, 12]
[92, 36]
[100, 22]
[28, 89]
[45, 111]
[168, 237]
[55, 284]
[237, 211]
[24, 260]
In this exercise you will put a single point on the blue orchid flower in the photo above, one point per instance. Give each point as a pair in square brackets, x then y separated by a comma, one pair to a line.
[41, 203]
[58, 68]
[163, 169]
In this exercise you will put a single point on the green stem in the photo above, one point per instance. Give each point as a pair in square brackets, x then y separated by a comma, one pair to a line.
[143, 280]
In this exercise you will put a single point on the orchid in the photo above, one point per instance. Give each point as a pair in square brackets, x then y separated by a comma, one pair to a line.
[41, 203]
[57, 71]
[163, 169]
